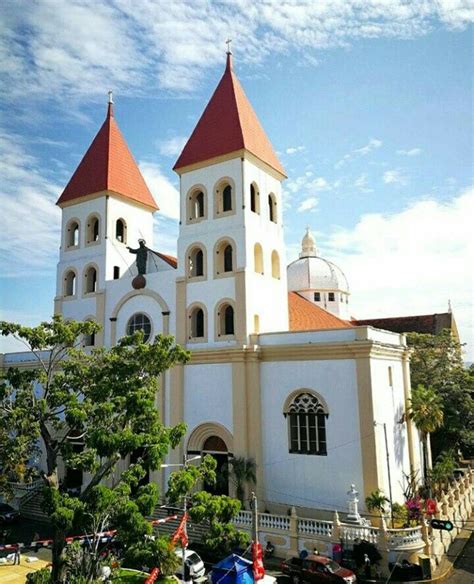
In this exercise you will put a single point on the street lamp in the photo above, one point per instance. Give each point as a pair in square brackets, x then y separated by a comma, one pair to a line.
[388, 467]
[184, 465]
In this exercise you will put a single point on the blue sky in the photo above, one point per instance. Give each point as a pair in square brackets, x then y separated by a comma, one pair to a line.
[368, 104]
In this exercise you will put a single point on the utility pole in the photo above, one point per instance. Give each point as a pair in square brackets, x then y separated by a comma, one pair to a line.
[388, 471]
[254, 506]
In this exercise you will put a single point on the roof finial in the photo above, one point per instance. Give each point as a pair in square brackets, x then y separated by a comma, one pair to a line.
[110, 107]
[450, 308]
[229, 54]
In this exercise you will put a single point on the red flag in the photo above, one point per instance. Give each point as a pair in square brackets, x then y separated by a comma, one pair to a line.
[153, 576]
[180, 533]
[258, 569]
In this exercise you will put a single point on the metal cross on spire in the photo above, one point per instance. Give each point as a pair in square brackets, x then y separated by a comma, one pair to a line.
[228, 43]
[111, 97]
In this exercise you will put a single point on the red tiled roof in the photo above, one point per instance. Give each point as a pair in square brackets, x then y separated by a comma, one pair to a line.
[228, 124]
[306, 316]
[108, 165]
[171, 260]
[424, 323]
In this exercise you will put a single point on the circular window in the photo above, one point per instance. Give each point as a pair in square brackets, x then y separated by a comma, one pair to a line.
[139, 322]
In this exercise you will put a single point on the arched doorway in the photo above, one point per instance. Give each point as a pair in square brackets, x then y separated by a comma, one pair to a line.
[217, 448]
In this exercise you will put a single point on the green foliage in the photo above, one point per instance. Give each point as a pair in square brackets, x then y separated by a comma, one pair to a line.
[400, 514]
[443, 471]
[436, 361]
[153, 553]
[42, 576]
[218, 511]
[376, 501]
[242, 471]
[426, 409]
[106, 399]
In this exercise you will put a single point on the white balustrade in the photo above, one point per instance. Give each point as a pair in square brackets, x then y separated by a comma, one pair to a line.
[405, 538]
[349, 533]
[269, 521]
[244, 518]
[314, 527]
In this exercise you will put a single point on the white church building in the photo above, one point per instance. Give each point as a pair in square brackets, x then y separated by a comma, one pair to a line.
[278, 372]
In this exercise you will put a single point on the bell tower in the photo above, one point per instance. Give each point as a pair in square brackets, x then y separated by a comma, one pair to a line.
[105, 206]
[232, 277]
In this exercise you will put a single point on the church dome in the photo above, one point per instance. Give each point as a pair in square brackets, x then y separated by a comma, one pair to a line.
[312, 272]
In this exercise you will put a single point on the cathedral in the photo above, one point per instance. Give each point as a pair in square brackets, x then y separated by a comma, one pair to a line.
[279, 373]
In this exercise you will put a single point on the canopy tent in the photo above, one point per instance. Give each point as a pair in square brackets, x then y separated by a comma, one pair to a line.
[232, 570]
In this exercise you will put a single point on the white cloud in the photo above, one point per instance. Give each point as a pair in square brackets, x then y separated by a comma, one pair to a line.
[372, 144]
[295, 149]
[412, 262]
[164, 192]
[411, 152]
[308, 204]
[394, 177]
[135, 49]
[362, 183]
[30, 220]
[172, 147]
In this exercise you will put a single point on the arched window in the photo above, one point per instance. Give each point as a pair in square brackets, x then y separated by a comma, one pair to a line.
[224, 198]
[258, 258]
[254, 198]
[139, 322]
[121, 231]
[272, 210]
[90, 280]
[196, 263]
[196, 205]
[224, 257]
[70, 283]
[225, 316]
[89, 340]
[72, 234]
[197, 323]
[93, 229]
[227, 198]
[306, 424]
[275, 264]
[228, 259]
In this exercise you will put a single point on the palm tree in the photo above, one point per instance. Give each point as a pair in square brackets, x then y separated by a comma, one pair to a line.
[376, 501]
[426, 411]
[242, 471]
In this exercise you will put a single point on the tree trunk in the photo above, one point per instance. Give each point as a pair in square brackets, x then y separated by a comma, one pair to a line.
[59, 543]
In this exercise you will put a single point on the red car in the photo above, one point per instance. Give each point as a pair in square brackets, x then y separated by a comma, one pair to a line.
[317, 570]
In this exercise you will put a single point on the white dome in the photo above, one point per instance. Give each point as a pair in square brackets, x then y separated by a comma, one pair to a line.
[311, 272]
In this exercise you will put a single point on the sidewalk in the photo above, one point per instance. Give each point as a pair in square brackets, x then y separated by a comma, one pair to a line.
[10, 574]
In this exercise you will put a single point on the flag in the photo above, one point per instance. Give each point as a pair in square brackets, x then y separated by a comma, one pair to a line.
[180, 533]
[258, 569]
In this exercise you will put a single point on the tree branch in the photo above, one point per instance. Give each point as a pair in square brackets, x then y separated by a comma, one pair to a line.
[99, 475]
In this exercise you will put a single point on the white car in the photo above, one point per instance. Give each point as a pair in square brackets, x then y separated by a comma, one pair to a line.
[196, 565]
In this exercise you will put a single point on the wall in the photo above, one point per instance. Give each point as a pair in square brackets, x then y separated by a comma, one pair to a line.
[310, 480]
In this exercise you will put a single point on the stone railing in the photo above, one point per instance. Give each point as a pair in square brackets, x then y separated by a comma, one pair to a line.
[291, 534]
[24, 491]
[456, 505]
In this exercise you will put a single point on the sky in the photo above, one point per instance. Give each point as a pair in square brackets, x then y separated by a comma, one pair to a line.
[368, 104]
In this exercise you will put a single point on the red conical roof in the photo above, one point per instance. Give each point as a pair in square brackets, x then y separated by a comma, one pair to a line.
[108, 165]
[228, 124]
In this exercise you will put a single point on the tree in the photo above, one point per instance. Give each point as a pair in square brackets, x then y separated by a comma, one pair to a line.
[215, 510]
[436, 362]
[242, 471]
[376, 501]
[105, 399]
[426, 411]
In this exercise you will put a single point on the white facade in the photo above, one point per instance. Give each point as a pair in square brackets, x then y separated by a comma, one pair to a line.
[301, 404]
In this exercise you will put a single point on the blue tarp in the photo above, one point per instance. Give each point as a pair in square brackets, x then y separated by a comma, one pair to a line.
[232, 570]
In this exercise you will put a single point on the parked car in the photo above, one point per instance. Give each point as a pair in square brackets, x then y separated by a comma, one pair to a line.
[8, 514]
[317, 570]
[196, 565]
